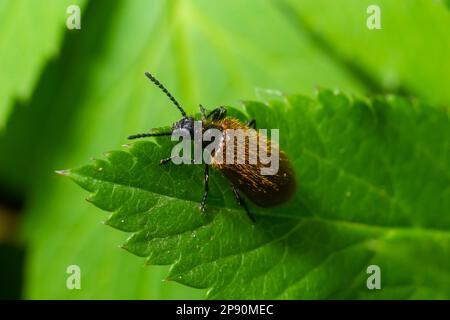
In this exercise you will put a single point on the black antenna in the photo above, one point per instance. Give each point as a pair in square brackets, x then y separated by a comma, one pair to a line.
[159, 84]
[144, 135]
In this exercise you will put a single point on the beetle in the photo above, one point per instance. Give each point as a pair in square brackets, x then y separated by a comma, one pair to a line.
[263, 190]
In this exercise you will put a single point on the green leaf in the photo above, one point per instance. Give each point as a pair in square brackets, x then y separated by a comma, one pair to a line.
[94, 94]
[374, 190]
[31, 34]
[391, 58]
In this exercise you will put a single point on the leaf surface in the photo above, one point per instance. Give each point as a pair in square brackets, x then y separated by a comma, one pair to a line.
[374, 189]
[31, 34]
[95, 94]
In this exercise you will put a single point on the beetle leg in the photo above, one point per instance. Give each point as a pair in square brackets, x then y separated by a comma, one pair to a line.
[203, 111]
[164, 161]
[242, 203]
[205, 194]
[217, 114]
[252, 124]
[167, 160]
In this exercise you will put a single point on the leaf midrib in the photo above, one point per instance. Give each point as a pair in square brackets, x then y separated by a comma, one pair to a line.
[354, 224]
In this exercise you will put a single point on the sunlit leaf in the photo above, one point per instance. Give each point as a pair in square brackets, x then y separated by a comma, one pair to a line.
[374, 190]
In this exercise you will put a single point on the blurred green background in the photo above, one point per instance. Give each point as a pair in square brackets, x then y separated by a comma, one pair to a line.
[67, 95]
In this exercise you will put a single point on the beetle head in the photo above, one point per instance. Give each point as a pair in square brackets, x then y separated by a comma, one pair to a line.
[185, 123]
